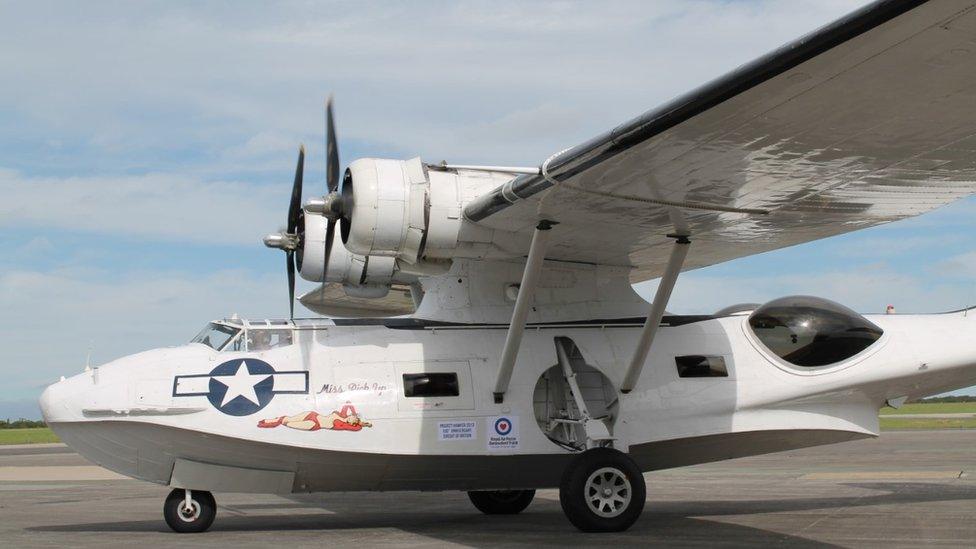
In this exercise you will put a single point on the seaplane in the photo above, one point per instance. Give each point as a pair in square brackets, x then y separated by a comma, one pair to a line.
[479, 330]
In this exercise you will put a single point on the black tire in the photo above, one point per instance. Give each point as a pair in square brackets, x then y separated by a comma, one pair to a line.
[204, 511]
[580, 499]
[501, 502]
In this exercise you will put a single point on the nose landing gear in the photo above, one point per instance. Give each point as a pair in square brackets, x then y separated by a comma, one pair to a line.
[189, 511]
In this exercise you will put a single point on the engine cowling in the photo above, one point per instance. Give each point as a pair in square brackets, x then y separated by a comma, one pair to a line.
[399, 208]
[398, 220]
[311, 263]
[361, 276]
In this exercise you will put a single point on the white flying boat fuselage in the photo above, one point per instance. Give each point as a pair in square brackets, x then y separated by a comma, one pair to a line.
[400, 404]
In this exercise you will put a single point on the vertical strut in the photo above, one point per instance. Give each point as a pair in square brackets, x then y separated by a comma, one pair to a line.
[570, 376]
[530, 276]
[656, 311]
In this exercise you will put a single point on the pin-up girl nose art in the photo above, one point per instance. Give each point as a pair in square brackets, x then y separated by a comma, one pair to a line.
[346, 419]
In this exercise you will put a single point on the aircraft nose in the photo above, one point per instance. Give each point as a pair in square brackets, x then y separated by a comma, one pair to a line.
[54, 404]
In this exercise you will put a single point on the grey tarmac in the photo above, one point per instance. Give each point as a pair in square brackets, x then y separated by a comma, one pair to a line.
[904, 489]
[962, 415]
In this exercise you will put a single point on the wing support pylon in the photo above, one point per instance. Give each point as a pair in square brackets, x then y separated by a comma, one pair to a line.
[530, 278]
[656, 312]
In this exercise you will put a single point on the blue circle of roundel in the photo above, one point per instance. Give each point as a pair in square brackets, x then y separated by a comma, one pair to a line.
[240, 374]
[503, 426]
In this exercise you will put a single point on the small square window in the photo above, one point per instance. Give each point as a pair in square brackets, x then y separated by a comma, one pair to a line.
[431, 385]
[701, 366]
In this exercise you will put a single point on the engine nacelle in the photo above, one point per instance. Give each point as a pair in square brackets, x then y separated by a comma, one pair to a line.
[399, 208]
[399, 221]
[361, 276]
[311, 256]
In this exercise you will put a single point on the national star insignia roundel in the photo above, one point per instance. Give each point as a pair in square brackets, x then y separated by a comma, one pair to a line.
[241, 387]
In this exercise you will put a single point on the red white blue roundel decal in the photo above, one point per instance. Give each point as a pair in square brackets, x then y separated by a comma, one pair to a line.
[503, 426]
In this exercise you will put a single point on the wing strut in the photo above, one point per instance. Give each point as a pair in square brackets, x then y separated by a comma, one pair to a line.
[656, 312]
[530, 276]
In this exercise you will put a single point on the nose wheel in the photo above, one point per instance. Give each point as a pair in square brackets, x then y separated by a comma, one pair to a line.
[189, 511]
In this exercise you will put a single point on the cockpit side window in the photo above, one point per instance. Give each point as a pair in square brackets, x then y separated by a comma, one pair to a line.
[215, 335]
[264, 339]
[812, 332]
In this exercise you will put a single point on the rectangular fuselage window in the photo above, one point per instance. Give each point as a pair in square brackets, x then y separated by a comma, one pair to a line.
[701, 366]
[431, 385]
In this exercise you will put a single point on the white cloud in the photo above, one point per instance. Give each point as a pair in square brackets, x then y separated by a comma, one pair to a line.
[888, 246]
[409, 77]
[56, 316]
[153, 206]
[961, 266]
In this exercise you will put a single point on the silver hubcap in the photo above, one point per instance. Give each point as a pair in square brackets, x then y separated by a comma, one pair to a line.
[191, 513]
[608, 492]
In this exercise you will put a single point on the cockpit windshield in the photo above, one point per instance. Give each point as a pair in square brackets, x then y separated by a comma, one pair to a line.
[216, 335]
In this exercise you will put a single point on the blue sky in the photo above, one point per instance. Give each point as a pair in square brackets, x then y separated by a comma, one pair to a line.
[145, 148]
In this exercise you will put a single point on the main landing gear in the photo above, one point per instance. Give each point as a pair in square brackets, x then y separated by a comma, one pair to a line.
[602, 490]
[189, 511]
[502, 502]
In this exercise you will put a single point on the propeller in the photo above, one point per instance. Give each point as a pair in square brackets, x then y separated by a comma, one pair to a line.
[331, 206]
[331, 173]
[331, 150]
[290, 240]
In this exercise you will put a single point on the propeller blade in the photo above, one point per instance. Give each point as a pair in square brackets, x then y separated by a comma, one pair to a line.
[331, 149]
[289, 257]
[329, 237]
[295, 207]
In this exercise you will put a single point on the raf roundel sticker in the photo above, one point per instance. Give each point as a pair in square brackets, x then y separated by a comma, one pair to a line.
[503, 433]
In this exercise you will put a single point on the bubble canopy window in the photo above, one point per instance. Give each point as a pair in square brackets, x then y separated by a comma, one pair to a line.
[812, 332]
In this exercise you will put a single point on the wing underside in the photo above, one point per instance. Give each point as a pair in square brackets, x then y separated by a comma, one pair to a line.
[866, 121]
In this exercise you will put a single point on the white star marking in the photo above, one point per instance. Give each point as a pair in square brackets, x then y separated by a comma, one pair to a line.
[241, 384]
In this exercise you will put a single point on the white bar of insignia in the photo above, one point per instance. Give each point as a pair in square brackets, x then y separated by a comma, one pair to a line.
[193, 385]
[290, 381]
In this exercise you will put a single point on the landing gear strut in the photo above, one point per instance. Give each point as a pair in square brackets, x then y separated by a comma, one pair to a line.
[602, 490]
[502, 502]
[189, 511]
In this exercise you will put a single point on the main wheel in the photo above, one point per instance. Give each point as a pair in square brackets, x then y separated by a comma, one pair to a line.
[196, 517]
[501, 502]
[602, 490]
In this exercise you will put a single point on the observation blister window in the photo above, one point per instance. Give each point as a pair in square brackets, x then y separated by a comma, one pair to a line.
[812, 332]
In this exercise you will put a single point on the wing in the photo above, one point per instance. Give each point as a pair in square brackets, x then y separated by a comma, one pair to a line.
[868, 120]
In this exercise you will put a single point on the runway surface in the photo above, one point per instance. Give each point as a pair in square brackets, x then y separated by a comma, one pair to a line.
[905, 489]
